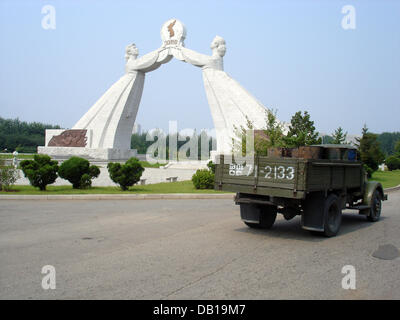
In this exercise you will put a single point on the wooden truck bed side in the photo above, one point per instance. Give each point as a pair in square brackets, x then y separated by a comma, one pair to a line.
[287, 177]
[334, 175]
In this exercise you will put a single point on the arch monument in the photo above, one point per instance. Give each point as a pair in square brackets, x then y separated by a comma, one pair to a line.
[104, 131]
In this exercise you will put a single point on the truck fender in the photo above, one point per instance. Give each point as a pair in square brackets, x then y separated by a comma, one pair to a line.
[369, 189]
[312, 217]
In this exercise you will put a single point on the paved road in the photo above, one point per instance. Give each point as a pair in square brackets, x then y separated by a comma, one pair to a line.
[187, 249]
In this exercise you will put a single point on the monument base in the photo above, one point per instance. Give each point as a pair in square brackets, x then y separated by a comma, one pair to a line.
[89, 153]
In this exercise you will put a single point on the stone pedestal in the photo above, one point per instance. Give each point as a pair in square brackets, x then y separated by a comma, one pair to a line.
[89, 153]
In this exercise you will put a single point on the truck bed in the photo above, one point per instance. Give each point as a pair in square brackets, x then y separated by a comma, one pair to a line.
[287, 177]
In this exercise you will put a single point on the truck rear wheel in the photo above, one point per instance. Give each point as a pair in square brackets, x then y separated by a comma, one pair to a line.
[258, 216]
[332, 215]
[376, 207]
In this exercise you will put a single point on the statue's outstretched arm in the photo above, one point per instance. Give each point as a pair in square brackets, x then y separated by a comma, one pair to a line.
[194, 58]
[144, 63]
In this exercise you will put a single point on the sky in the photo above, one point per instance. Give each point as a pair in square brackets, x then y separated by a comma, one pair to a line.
[290, 55]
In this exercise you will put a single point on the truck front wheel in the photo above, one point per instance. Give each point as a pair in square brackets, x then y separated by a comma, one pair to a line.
[376, 207]
[258, 216]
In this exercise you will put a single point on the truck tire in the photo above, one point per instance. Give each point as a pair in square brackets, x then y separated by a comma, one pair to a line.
[332, 215]
[376, 207]
[267, 215]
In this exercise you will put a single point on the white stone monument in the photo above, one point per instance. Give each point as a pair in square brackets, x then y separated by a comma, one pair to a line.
[104, 132]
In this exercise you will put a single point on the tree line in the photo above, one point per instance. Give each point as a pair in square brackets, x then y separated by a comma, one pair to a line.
[374, 148]
[22, 136]
[302, 132]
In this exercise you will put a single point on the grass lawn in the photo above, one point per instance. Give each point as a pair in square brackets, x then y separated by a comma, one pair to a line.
[165, 187]
[20, 156]
[146, 164]
[387, 178]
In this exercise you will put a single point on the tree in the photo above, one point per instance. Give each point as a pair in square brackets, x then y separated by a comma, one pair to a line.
[370, 152]
[41, 171]
[339, 137]
[327, 139]
[79, 172]
[397, 148]
[22, 136]
[388, 141]
[302, 131]
[8, 175]
[127, 174]
[393, 162]
[270, 136]
[239, 143]
[273, 132]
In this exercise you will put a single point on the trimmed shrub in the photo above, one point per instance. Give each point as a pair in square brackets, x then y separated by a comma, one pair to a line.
[94, 171]
[203, 179]
[79, 172]
[125, 175]
[211, 166]
[8, 176]
[41, 171]
[393, 163]
[86, 181]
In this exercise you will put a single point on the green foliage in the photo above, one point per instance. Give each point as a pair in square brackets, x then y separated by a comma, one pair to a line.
[301, 131]
[41, 171]
[77, 171]
[203, 179]
[388, 141]
[270, 136]
[369, 170]
[86, 181]
[22, 136]
[339, 137]
[397, 147]
[127, 174]
[327, 139]
[8, 176]
[370, 153]
[94, 171]
[239, 143]
[146, 164]
[393, 162]
[211, 166]
[138, 142]
[157, 188]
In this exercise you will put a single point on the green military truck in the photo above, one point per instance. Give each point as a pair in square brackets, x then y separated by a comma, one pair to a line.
[315, 182]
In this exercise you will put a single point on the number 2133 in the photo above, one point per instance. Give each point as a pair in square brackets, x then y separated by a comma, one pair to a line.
[279, 172]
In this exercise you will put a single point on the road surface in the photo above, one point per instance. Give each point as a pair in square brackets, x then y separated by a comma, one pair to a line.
[188, 249]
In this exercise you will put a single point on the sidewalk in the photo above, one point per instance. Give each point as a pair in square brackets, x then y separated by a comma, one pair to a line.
[155, 196]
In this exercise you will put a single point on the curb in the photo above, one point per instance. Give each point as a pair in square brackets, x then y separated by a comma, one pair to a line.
[392, 189]
[135, 196]
[155, 196]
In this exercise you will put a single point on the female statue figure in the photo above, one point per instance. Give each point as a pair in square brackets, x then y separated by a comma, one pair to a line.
[112, 117]
[229, 102]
